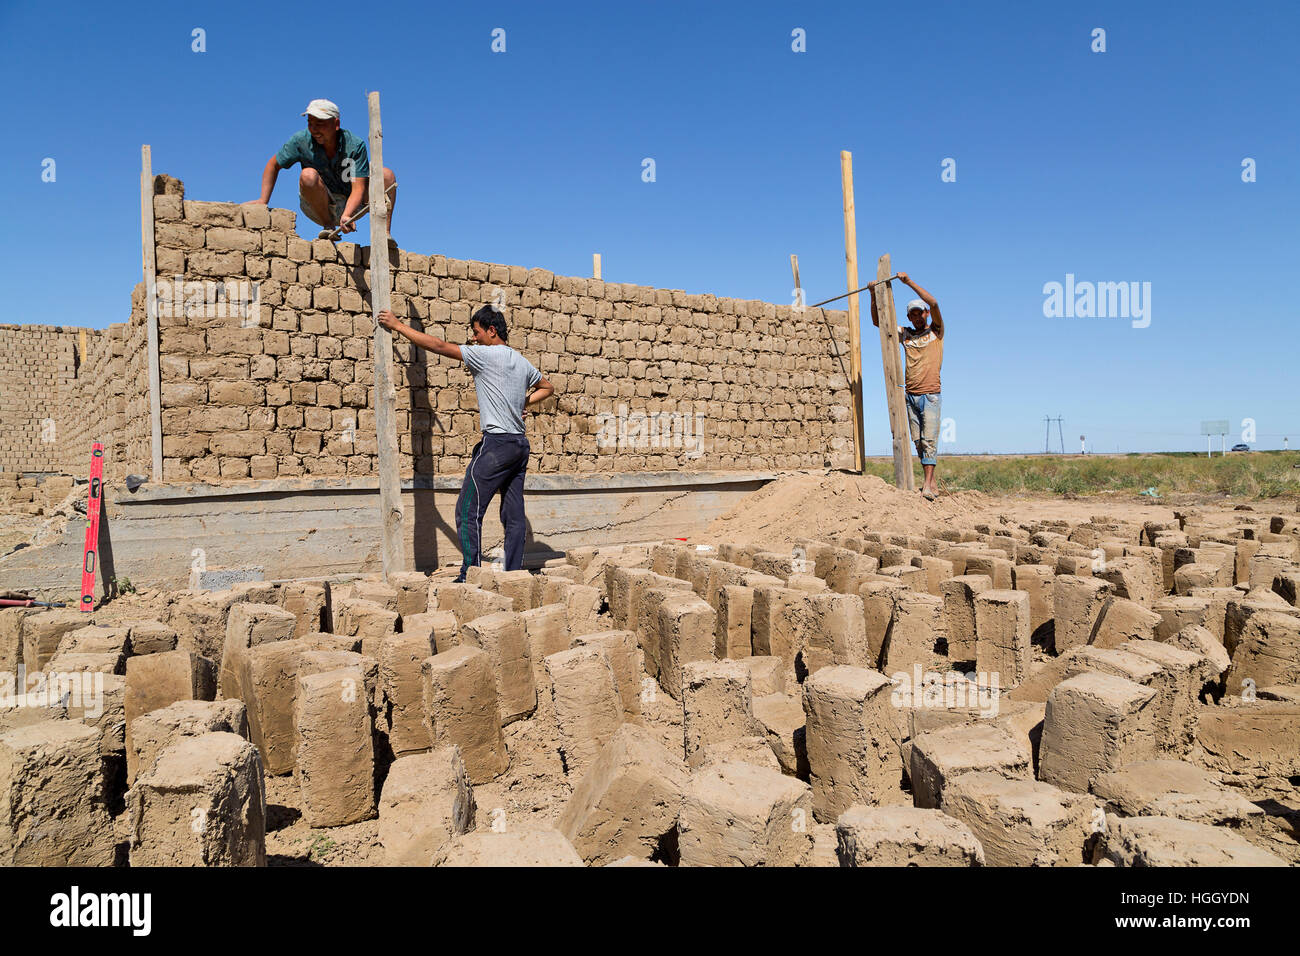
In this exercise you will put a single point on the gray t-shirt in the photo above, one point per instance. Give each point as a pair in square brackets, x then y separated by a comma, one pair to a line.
[502, 378]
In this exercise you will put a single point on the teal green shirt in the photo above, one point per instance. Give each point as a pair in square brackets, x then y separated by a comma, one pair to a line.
[351, 159]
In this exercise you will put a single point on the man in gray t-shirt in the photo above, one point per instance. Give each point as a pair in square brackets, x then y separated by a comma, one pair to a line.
[502, 379]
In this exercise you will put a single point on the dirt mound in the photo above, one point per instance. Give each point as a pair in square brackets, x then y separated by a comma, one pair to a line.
[835, 505]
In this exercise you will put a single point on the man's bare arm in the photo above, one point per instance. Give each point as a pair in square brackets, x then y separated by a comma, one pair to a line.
[936, 317]
[269, 176]
[541, 393]
[356, 198]
[423, 340]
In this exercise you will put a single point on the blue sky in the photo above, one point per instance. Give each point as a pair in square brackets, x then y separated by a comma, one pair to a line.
[1123, 166]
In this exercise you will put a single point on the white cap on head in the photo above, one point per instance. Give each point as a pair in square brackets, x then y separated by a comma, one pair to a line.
[321, 109]
[916, 305]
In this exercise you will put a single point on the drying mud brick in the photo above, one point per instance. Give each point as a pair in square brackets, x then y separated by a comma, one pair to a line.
[684, 624]
[775, 624]
[738, 814]
[427, 801]
[368, 620]
[41, 633]
[834, 629]
[735, 610]
[1095, 723]
[1078, 603]
[624, 656]
[548, 632]
[1241, 609]
[914, 628]
[250, 625]
[717, 701]
[1023, 822]
[401, 657]
[904, 836]
[268, 686]
[512, 847]
[878, 612]
[439, 628]
[1124, 620]
[52, 809]
[336, 758]
[1201, 642]
[1177, 613]
[1133, 578]
[582, 608]
[767, 675]
[941, 756]
[1183, 674]
[588, 708]
[1002, 635]
[628, 801]
[997, 569]
[1249, 744]
[745, 749]
[1164, 841]
[412, 592]
[784, 724]
[306, 602]
[156, 680]
[958, 595]
[1172, 788]
[460, 701]
[154, 732]
[503, 637]
[203, 803]
[1267, 651]
[1038, 581]
[852, 739]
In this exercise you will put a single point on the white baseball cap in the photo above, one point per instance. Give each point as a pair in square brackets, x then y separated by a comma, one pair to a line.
[321, 109]
[916, 305]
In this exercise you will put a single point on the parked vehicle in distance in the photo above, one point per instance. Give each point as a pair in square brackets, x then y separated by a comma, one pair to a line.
[1240, 446]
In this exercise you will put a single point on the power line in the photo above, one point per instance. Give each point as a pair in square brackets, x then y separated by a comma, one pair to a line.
[1047, 436]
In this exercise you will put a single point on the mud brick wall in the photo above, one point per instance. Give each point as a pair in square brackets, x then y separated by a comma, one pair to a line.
[646, 378]
[291, 393]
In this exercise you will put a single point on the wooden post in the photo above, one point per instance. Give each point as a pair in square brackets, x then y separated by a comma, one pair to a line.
[892, 364]
[150, 309]
[855, 334]
[390, 488]
[595, 265]
[800, 298]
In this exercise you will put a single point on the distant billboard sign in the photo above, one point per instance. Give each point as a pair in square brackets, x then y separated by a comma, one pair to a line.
[1219, 427]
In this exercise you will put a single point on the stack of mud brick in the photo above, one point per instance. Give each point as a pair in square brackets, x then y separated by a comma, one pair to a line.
[1038, 694]
[290, 391]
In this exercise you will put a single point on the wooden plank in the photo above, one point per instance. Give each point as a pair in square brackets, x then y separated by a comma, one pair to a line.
[855, 334]
[148, 253]
[890, 362]
[390, 490]
[801, 300]
[595, 265]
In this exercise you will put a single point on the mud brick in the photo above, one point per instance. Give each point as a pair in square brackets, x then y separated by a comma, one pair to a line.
[335, 761]
[685, 626]
[516, 847]
[628, 802]
[739, 814]
[412, 589]
[1249, 744]
[156, 680]
[250, 625]
[426, 802]
[203, 803]
[504, 638]
[940, 757]
[1164, 841]
[547, 629]
[460, 701]
[784, 724]
[767, 675]
[735, 609]
[1124, 620]
[1038, 581]
[52, 793]
[904, 836]
[914, 629]
[1172, 788]
[852, 739]
[1241, 610]
[401, 657]
[620, 647]
[1267, 651]
[1078, 602]
[1177, 613]
[1002, 635]
[717, 699]
[1023, 822]
[41, 633]
[937, 571]
[1132, 578]
[1095, 723]
[997, 569]
[878, 611]
[588, 708]
[154, 732]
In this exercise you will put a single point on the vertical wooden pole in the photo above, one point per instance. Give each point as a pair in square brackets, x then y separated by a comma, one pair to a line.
[390, 489]
[794, 270]
[595, 265]
[855, 334]
[890, 361]
[151, 309]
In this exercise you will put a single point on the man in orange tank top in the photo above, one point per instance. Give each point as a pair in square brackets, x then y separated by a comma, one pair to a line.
[923, 349]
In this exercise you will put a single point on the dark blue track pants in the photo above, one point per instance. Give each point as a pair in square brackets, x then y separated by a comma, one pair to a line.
[498, 463]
